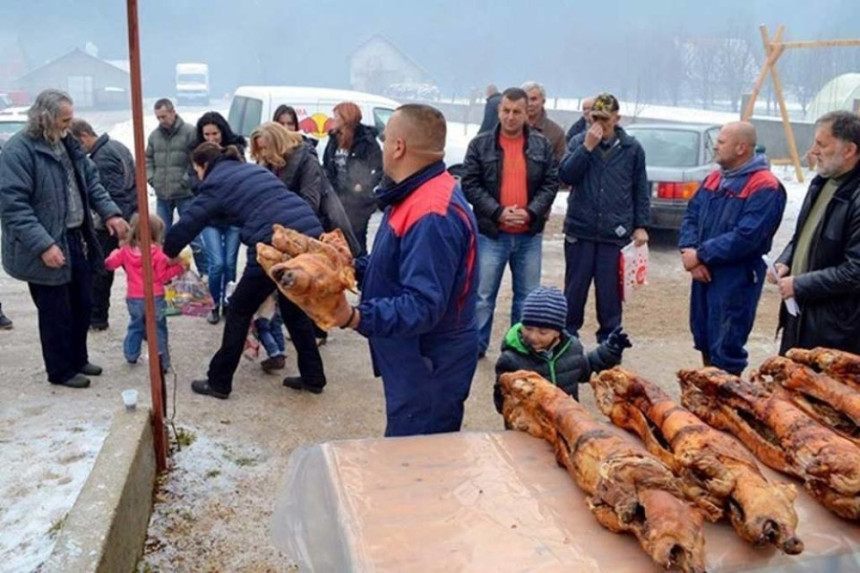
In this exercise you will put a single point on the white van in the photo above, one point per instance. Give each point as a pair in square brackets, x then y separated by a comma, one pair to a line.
[254, 105]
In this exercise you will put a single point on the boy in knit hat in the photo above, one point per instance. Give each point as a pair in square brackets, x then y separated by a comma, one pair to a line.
[540, 343]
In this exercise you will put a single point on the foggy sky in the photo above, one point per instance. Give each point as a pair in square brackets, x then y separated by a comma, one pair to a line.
[573, 47]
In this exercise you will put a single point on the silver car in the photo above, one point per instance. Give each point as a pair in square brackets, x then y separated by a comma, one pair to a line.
[678, 157]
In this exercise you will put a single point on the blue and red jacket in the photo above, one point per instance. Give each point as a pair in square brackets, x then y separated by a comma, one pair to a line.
[418, 292]
[733, 216]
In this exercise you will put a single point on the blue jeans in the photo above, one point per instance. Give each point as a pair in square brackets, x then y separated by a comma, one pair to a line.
[136, 329]
[222, 249]
[165, 209]
[271, 333]
[523, 253]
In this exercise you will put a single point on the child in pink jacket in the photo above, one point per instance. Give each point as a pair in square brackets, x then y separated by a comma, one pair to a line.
[129, 257]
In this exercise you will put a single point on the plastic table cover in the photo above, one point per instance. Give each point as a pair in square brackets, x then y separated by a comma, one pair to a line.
[497, 501]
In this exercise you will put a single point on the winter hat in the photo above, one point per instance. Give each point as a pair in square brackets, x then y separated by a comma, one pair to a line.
[545, 307]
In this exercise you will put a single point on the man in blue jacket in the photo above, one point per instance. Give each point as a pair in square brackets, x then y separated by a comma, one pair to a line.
[609, 205]
[418, 285]
[728, 226]
[47, 190]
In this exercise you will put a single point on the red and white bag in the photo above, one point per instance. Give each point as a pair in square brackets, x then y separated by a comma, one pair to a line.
[632, 269]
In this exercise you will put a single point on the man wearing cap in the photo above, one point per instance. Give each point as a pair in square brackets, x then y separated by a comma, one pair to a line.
[584, 122]
[511, 178]
[609, 205]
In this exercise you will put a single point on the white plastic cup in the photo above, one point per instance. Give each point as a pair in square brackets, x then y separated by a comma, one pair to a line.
[129, 398]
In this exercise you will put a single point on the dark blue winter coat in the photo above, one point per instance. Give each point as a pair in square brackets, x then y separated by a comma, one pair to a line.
[253, 197]
[609, 199]
[418, 295]
[117, 173]
[730, 221]
[733, 216]
[34, 204]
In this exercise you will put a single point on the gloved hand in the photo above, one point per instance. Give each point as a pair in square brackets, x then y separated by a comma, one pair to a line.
[618, 340]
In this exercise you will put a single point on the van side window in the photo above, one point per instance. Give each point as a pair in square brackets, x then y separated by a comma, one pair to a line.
[381, 115]
[245, 114]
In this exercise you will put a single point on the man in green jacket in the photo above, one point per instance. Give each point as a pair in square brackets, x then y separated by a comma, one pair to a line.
[168, 170]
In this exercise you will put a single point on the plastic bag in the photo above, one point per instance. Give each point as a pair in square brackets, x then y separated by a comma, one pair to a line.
[632, 269]
[188, 295]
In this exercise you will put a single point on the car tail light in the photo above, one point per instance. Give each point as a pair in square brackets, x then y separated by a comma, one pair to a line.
[675, 190]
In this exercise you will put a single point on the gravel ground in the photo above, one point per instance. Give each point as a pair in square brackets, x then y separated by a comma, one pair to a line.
[213, 510]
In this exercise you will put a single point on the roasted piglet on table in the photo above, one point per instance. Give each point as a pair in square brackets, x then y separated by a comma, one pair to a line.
[832, 403]
[779, 433]
[627, 489]
[718, 474]
[312, 273]
[843, 366]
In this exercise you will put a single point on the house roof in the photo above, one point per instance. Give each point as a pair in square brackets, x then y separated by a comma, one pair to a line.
[381, 38]
[75, 52]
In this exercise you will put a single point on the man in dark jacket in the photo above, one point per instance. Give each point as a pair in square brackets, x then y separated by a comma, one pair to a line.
[255, 199]
[511, 179]
[729, 224]
[820, 267]
[582, 124]
[608, 205]
[47, 187]
[168, 170]
[491, 109]
[418, 285]
[540, 122]
[116, 172]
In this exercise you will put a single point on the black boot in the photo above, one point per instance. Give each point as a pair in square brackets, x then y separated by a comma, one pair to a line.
[214, 316]
[5, 323]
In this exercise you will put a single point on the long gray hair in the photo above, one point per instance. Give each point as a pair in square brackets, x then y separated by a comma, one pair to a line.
[42, 115]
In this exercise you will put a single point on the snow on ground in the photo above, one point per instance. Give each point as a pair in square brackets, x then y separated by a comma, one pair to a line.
[45, 465]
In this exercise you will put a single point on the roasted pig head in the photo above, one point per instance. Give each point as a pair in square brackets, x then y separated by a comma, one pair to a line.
[779, 433]
[330, 247]
[628, 490]
[268, 256]
[718, 474]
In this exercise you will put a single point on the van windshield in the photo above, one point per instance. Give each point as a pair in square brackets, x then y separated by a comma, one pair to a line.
[381, 115]
[245, 114]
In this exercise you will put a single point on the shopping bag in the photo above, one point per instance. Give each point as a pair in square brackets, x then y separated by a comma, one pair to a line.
[188, 295]
[632, 269]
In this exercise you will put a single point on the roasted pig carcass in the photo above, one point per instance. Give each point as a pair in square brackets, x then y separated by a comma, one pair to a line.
[779, 433]
[312, 273]
[832, 403]
[843, 366]
[628, 489]
[718, 474]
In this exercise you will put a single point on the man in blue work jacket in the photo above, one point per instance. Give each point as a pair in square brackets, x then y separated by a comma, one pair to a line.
[728, 226]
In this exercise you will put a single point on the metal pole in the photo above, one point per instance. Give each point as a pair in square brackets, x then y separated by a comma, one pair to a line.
[160, 437]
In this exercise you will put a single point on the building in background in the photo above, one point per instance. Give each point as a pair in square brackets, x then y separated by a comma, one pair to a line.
[840, 93]
[377, 66]
[91, 81]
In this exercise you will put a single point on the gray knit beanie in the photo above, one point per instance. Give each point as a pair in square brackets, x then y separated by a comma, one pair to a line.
[545, 307]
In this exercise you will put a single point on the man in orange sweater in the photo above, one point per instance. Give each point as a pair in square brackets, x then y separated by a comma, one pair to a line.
[511, 179]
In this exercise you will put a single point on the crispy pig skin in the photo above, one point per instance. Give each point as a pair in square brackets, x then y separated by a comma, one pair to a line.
[830, 402]
[843, 366]
[311, 273]
[719, 475]
[779, 433]
[628, 490]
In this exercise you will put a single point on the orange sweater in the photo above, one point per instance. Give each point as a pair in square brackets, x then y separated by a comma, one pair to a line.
[513, 190]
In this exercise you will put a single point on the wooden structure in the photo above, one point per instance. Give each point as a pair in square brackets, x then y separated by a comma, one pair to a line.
[774, 48]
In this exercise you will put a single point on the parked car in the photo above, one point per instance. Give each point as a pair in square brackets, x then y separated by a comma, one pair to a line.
[678, 157]
[12, 120]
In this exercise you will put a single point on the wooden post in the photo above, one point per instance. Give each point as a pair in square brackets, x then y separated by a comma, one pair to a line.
[783, 109]
[772, 55]
[158, 405]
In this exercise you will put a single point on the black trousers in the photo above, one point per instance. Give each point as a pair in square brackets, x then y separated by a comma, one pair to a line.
[253, 288]
[64, 315]
[585, 261]
[103, 279]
